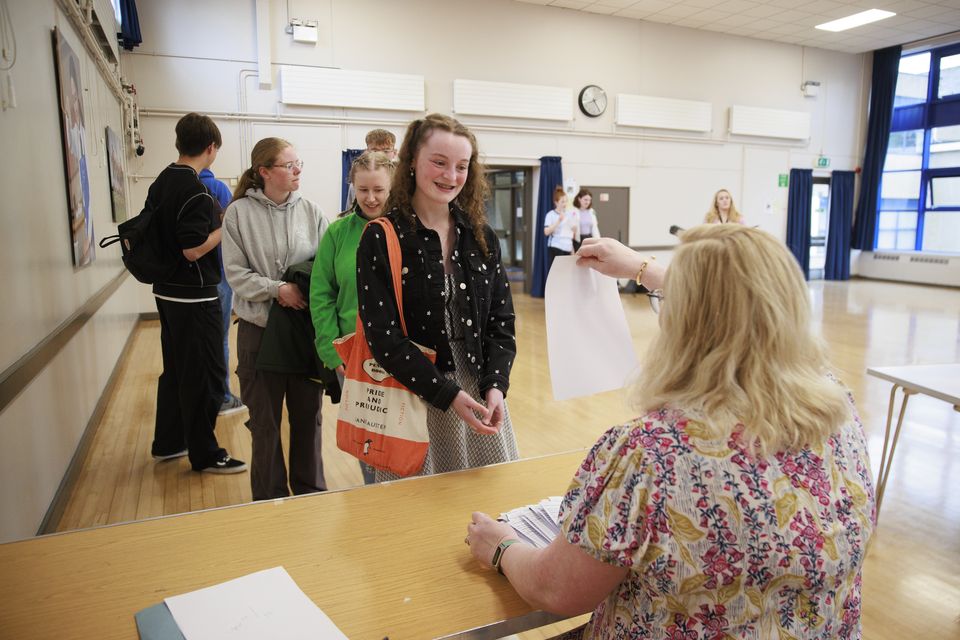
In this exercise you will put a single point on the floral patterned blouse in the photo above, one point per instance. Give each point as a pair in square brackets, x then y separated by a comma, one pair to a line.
[720, 544]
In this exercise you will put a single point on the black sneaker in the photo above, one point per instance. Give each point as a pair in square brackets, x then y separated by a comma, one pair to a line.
[225, 464]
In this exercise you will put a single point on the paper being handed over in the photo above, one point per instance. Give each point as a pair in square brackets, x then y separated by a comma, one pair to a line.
[588, 341]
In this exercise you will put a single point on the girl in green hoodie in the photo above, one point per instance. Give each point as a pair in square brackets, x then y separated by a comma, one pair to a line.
[333, 283]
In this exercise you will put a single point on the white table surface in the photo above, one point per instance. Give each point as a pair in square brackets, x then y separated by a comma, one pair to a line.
[936, 380]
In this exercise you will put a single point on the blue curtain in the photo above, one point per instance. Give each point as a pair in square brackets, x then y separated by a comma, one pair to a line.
[838, 233]
[798, 217]
[347, 157]
[129, 35]
[551, 175]
[886, 66]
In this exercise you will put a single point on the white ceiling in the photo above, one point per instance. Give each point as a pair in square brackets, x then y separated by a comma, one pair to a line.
[789, 21]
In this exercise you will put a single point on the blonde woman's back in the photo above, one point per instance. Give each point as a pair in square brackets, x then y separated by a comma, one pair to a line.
[721, 543]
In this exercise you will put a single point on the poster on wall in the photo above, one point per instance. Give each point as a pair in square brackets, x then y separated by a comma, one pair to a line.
[70, 90]
[118, 180]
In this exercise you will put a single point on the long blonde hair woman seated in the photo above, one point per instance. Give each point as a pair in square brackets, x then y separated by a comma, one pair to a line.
[739, 504]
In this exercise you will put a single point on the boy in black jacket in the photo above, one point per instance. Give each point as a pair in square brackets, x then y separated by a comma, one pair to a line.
[191, 333]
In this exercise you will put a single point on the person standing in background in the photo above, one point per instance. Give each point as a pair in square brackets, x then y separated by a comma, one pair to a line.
[333, 283]
[587, 226]
[723, 210]
[230, 403]
[191, 333]
[560, 228]
[377, 140]
[383, 141]
[268, 228]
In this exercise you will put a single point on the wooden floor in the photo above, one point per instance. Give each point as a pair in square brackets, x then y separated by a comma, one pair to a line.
[912, 574]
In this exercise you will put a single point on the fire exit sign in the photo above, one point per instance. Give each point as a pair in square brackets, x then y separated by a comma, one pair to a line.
[782, 180]
[822, 162]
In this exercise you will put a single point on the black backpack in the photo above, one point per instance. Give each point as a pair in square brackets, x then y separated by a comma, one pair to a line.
[144, 253]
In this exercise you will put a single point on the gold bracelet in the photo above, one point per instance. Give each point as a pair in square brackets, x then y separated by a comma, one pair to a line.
[643, 267]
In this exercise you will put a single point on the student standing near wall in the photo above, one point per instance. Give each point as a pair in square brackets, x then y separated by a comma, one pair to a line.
[230, 404]
[560, 228]
[456, 298]
[269, 228]
[191, 333]
[587, 226]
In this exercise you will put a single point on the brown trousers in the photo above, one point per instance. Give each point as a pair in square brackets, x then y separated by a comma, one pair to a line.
[263, 392]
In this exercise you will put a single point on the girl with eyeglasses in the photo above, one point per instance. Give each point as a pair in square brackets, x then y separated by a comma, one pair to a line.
[270, 228]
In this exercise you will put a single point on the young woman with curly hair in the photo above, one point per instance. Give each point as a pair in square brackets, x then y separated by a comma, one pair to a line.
[456, 298]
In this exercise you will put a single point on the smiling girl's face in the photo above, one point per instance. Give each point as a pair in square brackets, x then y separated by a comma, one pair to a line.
[442, 165]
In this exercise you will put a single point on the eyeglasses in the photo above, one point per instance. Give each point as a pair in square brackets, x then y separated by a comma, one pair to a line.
[656, 300]
[289, 166]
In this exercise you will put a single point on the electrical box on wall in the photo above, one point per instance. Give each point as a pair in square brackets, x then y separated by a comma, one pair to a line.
[306, 32]
[811, 88]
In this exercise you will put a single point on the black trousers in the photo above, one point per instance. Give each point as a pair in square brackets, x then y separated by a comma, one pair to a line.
[577, 243]
[553, 252]
[190, 389]
[264, 393]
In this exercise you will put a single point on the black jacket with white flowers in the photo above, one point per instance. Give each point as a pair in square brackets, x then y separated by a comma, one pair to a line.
[485, 311]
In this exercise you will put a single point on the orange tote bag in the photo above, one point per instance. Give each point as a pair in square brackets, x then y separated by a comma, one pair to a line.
[381, 422]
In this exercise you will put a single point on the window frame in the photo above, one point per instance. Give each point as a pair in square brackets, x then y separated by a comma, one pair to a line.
[934, 112]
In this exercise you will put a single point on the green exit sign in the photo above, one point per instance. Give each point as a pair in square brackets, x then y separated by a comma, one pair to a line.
[822, 162]
[782, 180]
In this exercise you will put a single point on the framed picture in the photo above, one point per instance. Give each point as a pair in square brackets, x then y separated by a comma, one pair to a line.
[118, 180]
[70, 90]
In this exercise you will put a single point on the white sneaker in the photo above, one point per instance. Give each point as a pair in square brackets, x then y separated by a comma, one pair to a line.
[170, 456]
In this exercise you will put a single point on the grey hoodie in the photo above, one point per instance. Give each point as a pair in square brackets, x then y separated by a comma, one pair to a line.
[260, 240]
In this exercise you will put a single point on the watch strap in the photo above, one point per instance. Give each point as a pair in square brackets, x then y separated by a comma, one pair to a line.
[498, 553]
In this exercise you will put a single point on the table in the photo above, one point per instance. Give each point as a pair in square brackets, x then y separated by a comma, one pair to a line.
[382, 560]
[936, 380]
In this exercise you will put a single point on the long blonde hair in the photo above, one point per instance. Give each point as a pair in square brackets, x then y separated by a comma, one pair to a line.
[264, 154]
[713, 215]
[736, 345]
[475, 193]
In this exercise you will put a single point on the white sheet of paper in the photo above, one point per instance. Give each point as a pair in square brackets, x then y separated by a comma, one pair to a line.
[588, 341]
[265, 604]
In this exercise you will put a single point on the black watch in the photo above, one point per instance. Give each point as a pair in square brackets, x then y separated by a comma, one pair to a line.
[498, 553]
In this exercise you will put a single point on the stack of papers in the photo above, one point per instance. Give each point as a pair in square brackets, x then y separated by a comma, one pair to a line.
[265, 604]
[536, 524]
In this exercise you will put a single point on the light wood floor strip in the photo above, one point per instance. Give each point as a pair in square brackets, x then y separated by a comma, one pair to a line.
[912, 573]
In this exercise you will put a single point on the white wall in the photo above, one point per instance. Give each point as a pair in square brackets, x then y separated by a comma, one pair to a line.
[40, 429]
[194, 56]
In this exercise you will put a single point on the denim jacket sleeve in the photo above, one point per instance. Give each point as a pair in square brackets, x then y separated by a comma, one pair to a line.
[381, 323]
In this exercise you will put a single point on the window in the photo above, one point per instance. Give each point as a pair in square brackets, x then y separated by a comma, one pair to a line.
[912, 80]
[919, 207]
[949, 84]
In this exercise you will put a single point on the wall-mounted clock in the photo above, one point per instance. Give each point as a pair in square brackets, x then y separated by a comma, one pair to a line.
[592, 101]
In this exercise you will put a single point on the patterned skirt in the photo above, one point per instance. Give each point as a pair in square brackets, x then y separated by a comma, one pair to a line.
[453, 444]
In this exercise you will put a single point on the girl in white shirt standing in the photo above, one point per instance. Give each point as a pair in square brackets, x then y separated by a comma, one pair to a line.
[560, 227]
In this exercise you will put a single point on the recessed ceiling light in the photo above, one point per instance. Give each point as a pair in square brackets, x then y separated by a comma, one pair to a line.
[856, 20]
